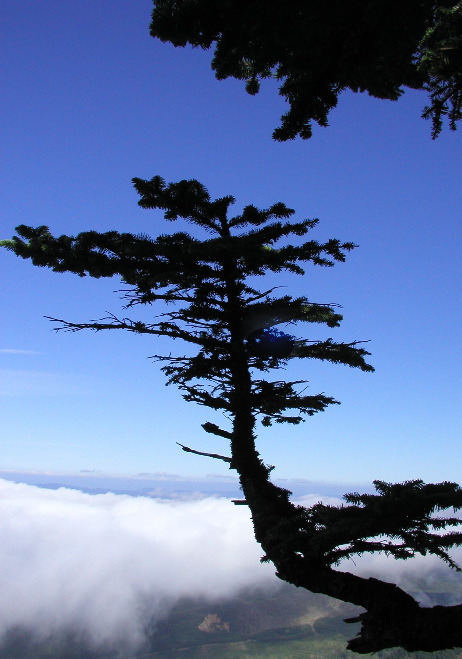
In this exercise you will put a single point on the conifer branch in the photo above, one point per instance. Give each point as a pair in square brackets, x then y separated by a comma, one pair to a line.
[207, 455]
[215, 430]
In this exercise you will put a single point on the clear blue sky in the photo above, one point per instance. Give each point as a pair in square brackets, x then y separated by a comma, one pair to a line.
[89, 100]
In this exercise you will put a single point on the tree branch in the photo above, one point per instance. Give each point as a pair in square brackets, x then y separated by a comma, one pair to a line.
[215, 430]
[207, 455]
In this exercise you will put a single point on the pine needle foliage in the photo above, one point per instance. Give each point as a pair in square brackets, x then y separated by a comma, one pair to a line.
[317, 49]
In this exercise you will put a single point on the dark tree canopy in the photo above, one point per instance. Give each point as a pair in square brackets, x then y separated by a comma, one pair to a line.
[201, 294]
[318, 49]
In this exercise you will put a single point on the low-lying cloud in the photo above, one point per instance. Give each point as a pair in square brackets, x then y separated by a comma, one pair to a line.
[417, 575]
[105, 566]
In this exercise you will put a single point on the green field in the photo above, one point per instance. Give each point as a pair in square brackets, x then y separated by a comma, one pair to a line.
[288, 625]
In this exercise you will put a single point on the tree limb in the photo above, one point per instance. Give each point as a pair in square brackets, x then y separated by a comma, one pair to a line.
[207, 455]
[215, 430]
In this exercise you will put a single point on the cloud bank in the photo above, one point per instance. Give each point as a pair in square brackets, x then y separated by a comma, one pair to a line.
[107, 564]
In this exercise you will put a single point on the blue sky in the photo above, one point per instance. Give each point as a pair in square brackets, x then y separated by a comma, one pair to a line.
[89, 101]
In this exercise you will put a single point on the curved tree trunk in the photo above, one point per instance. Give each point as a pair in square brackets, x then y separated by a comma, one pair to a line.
[392, 617]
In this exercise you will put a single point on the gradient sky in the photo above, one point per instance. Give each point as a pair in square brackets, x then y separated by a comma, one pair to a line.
[89, 100]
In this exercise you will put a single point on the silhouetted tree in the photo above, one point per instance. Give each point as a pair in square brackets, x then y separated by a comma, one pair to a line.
[203, 293]
[318, 49]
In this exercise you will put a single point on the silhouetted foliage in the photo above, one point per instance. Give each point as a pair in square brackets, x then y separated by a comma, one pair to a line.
[230, 325]
[318, 49]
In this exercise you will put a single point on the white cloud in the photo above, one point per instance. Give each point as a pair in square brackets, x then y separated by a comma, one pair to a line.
[14, 351]
[420, 570]
[309, 500]
[107, 563]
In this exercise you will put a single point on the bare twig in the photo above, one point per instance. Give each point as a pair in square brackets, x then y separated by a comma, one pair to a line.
[207, 455]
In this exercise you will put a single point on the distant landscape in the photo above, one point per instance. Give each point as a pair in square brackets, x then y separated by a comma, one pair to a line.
[170, 486]
[292, 624]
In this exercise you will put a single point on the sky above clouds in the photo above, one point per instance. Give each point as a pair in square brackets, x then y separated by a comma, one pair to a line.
[89, 101]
